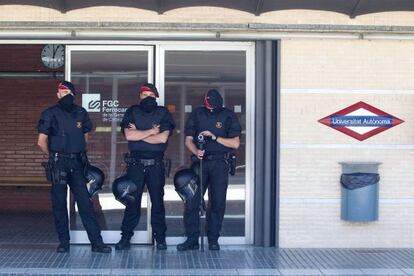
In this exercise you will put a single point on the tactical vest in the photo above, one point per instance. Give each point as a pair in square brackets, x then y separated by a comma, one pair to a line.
[67, 134]
[145, 121]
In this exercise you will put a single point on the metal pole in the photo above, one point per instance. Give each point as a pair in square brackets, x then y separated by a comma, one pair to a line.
[200, 143]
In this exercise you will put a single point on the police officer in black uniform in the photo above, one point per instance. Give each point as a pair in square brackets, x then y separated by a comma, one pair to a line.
[63, 132]
[222, 129]
[147, 128]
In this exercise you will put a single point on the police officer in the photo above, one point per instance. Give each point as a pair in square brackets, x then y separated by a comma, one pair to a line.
[63, 132]
[147, 128]
[222, 129]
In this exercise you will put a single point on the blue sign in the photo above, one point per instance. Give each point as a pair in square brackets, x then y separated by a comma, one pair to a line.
[361, 121]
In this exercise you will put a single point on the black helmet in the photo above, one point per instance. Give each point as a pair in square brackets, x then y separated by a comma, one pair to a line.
[123, 188]
[185, 183]
[95, 178]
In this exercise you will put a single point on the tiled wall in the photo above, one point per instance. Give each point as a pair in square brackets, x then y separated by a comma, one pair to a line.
[318, 78]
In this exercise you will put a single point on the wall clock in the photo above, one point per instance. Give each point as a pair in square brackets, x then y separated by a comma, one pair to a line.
[53, 55]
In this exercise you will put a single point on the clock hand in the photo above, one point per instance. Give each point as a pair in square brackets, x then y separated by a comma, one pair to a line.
[54, 51]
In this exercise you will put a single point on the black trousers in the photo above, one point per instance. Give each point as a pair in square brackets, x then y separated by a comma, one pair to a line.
[215, 177]
[154, 177]
[77, 183]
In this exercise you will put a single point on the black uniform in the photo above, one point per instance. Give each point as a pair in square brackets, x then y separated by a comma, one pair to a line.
[222, 123]
[66, 128]
[145, 166]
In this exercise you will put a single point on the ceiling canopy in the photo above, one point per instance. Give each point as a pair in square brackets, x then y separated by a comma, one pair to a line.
[351, 8]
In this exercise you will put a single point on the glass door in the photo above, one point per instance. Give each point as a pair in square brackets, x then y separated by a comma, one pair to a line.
[187, 72]
[107, 78]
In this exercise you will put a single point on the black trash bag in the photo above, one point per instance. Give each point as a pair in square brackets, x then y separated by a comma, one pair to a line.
[353, 181]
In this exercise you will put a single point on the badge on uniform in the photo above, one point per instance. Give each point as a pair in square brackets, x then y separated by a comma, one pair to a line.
[219, 125]
[79, 124]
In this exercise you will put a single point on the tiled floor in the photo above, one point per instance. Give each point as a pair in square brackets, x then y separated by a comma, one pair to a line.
[231, 260]
[38, 227]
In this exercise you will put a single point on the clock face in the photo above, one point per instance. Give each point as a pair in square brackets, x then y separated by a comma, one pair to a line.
[53, 55]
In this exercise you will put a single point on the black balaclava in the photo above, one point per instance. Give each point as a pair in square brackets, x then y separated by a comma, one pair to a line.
[67, 102]
[213, 101]
[149, 104]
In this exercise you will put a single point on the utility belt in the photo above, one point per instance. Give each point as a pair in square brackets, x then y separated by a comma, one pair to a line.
[217, 156]
[57, 175]
[131, 160]
[79, 155]
[228, 157]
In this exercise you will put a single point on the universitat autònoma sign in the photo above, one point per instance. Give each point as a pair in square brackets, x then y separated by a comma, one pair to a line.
[361, 121]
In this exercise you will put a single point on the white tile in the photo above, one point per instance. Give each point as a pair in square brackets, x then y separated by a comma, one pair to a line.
[83, 271]
[307, 272]
[47, 271]
[13, 270]
[409, 271]
[382, 271]
[258, 271]
[342, 272]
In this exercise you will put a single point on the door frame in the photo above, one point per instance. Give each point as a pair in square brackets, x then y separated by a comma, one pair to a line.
[156, 73]
[112, 236]
[249, 49]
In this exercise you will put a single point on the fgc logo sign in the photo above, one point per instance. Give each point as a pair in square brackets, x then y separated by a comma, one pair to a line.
[93, 103]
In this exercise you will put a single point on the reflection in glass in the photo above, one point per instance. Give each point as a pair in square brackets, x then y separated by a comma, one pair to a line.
[109, 78]
[188, 76]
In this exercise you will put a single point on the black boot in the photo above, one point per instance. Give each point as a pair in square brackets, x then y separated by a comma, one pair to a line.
[123, 244]
[63, 247]
[213, 245]
[101, 248]
[189, 244]
[161, 244]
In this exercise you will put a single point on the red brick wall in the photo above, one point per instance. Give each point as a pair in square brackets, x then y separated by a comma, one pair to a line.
[21, 102]
[23, 58]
